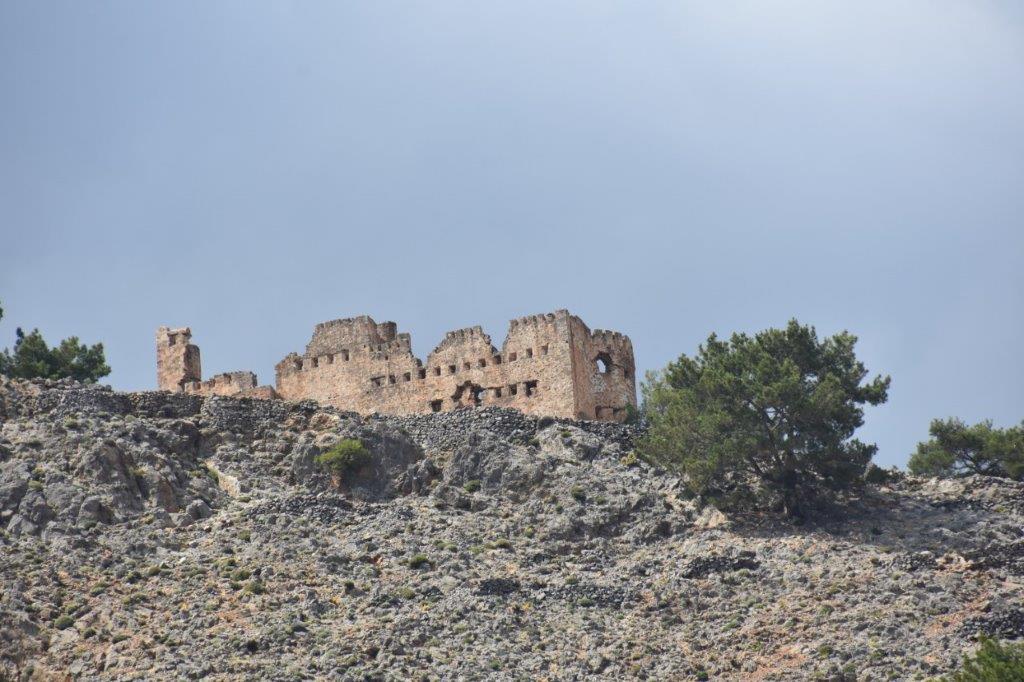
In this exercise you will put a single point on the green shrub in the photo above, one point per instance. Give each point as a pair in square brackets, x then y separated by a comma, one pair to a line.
[33, 358]
[255, 587]
[471, 486]
[956, 449]
[63, 622]
[418, 560]
[993, 662]
[347, 457]
[876, 475]
[764, 420]
[578, 493]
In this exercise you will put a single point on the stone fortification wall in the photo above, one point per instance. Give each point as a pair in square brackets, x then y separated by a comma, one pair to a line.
[178, 369]
[547, 365]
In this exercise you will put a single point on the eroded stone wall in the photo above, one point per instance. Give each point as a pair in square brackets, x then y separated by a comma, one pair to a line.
[179, 370]
[177, 360]
[547, 366]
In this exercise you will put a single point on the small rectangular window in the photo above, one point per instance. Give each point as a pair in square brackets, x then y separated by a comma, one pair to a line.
[531, 387]
[482, 362]
[407, 376]
[529, 352]
[452, 369]
[513, 389]
[511, 357]
[466, 366]
[435, 405]
[391, 378]
[543, 350]
[497, 359]
[316, 362]
[497, 392]
[423, 374]
[344, 355]
[437, 371]
[330, 359]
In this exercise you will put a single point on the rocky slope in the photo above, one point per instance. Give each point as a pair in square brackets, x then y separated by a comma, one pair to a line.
[159, 536]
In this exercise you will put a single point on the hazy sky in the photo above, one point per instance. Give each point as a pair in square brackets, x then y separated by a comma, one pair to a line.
[662, 169]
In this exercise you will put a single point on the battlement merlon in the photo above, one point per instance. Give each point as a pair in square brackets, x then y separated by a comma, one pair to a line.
[353, 332]
[542, 319]
[473, 337]
[172, 336]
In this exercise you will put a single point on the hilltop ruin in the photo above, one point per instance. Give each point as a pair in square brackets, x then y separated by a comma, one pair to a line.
[549, 364]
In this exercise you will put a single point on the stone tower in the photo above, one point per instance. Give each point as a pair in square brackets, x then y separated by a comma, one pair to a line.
[177, 360]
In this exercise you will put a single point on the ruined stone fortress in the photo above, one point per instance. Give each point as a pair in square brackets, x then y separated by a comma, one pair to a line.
[551, 365]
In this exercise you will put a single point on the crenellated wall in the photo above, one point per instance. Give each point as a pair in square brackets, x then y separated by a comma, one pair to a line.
[547, 365]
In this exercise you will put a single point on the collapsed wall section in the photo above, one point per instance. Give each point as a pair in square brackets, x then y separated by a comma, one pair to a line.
[604, 373]
[179, 370]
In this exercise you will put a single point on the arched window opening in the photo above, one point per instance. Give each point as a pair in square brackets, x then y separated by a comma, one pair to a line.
[604, 363]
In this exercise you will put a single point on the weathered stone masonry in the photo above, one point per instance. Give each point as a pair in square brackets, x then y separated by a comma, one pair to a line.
[178, 369]
[549, 364]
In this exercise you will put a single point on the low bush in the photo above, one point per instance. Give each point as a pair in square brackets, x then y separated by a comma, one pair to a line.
[346, 457]
[993, 662]
[876, 475]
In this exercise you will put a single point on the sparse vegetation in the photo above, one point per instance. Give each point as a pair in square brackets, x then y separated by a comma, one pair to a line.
[418, 561]
[993, 662]
[255, 587]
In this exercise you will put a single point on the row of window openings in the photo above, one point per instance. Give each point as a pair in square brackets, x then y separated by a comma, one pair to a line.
[529, 390]
[452, 369]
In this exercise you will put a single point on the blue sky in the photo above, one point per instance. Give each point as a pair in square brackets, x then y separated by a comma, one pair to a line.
[666, 169]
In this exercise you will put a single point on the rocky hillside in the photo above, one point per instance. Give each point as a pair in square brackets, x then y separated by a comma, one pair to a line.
[159, 536]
